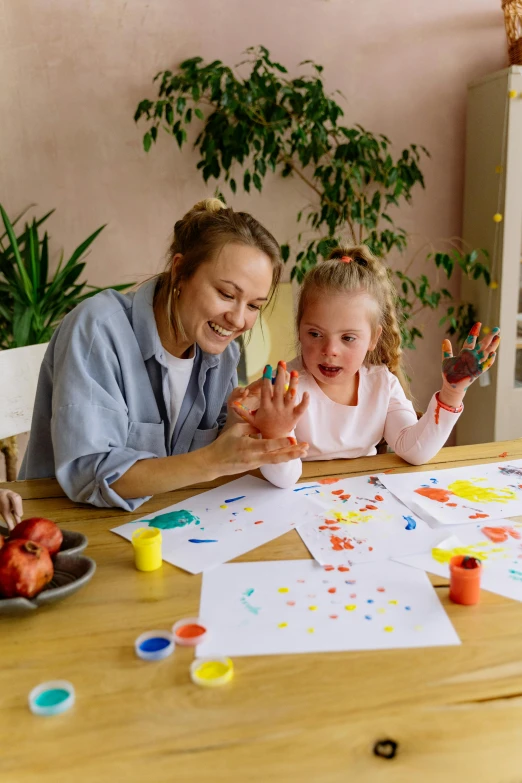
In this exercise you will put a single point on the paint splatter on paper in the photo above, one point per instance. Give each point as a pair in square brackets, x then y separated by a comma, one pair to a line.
[338, 623]
[358, 526]
[468, 493]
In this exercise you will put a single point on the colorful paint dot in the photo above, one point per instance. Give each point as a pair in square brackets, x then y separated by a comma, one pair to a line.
[311, 630]
[370, 601]
[222, 507]
[381, 590]
[388, 628]
[353, 595]
[329, 568]
[408, 608]
[350, 581]
[393, 602]
[381, 610]
[334, 616]
[282, 625]
[259, 522]
[332, 589]
[312, 608]
[290, 603]
[283, 590]
[301, 581]
[248, 509]
[343, 568]
[350, 607]
[367, 617]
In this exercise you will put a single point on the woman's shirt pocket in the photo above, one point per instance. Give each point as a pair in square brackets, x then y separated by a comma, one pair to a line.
[146, 436]
[203, 438]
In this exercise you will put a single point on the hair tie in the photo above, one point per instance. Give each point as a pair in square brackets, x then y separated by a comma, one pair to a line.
[346, 259]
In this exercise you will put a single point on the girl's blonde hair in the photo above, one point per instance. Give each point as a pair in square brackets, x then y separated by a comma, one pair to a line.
[363, 272]
[198, 237]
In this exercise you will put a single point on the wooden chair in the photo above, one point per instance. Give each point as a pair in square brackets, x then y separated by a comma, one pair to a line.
[19, 369]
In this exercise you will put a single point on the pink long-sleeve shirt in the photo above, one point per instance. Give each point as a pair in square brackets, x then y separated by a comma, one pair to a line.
[335, 431]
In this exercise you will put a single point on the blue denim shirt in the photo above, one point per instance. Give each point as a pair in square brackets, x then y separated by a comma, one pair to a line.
[103, 398]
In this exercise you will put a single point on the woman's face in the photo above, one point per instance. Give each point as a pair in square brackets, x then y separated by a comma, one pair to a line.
[224, 296]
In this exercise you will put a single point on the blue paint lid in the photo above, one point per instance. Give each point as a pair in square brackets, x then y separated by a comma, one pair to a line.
[154, 645]
[52, 698]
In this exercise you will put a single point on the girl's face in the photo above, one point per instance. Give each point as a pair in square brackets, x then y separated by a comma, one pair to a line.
[335, 335]
[223, 298]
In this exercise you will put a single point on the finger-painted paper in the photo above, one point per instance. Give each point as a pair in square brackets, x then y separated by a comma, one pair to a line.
[362, 522]
[467, 494]
[206, 530]
[297, 606]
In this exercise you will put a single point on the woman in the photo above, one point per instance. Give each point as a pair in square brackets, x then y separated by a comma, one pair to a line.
[133, 389]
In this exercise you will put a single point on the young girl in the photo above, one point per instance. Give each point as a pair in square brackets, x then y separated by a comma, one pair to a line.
[352, 390]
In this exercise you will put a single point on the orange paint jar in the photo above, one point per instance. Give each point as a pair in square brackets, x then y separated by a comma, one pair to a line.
[464, 582]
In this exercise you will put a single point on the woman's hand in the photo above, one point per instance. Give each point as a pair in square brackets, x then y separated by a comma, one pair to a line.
[247, 398]
[236, 450]
[459, 372]
[11, 507]
[277, 414]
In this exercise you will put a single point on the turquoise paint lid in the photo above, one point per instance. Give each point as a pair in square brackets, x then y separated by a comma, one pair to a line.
[52, 698]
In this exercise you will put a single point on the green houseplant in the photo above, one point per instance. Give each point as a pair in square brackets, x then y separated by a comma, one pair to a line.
[263, 122]
[33, 302]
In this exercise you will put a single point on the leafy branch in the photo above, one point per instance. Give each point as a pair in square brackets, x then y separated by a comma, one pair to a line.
[264, 122]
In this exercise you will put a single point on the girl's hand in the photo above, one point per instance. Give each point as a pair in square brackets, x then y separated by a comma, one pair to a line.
[11, 507]
[236, 450]
[277, 414]
[459, 372]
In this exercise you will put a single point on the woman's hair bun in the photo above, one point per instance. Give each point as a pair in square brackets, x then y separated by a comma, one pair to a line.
[209, 205]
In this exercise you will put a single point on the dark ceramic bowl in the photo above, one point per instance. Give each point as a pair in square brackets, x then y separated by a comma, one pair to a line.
[71, 571]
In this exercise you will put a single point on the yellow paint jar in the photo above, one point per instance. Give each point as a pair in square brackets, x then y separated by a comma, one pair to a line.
[211, 672]
[147, 548]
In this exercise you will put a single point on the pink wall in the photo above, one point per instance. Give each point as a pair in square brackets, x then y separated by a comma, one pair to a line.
[72, 74]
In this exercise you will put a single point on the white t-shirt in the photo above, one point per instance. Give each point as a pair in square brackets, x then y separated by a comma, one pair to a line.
[335, 431]
[179, 372]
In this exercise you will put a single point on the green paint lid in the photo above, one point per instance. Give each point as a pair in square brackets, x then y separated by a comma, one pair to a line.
[52, 698]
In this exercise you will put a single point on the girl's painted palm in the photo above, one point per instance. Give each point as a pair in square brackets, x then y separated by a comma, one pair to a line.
[460, 371]
[277, 413]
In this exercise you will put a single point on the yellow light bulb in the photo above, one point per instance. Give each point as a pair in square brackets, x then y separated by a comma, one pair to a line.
[512, 93]
[493, 285]
[486, 329]
[497, 217]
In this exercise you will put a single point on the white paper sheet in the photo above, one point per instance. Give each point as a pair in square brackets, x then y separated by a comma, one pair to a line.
[458, 495]
[226, 522]
[363, 522]
[500, 553]
[297, 606]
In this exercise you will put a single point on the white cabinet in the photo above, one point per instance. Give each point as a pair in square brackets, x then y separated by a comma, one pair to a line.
[493, 184]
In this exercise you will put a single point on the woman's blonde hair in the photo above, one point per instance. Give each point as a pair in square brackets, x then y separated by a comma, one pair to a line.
[198, 237]
[363, 272]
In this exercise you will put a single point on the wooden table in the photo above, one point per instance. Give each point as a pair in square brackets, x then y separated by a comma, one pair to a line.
[455, 712]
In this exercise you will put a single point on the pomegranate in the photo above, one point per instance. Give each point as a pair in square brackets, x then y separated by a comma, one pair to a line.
[43, 531]
[25, 568]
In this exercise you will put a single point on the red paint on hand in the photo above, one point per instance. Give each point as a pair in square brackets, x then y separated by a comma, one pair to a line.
[475, 329]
